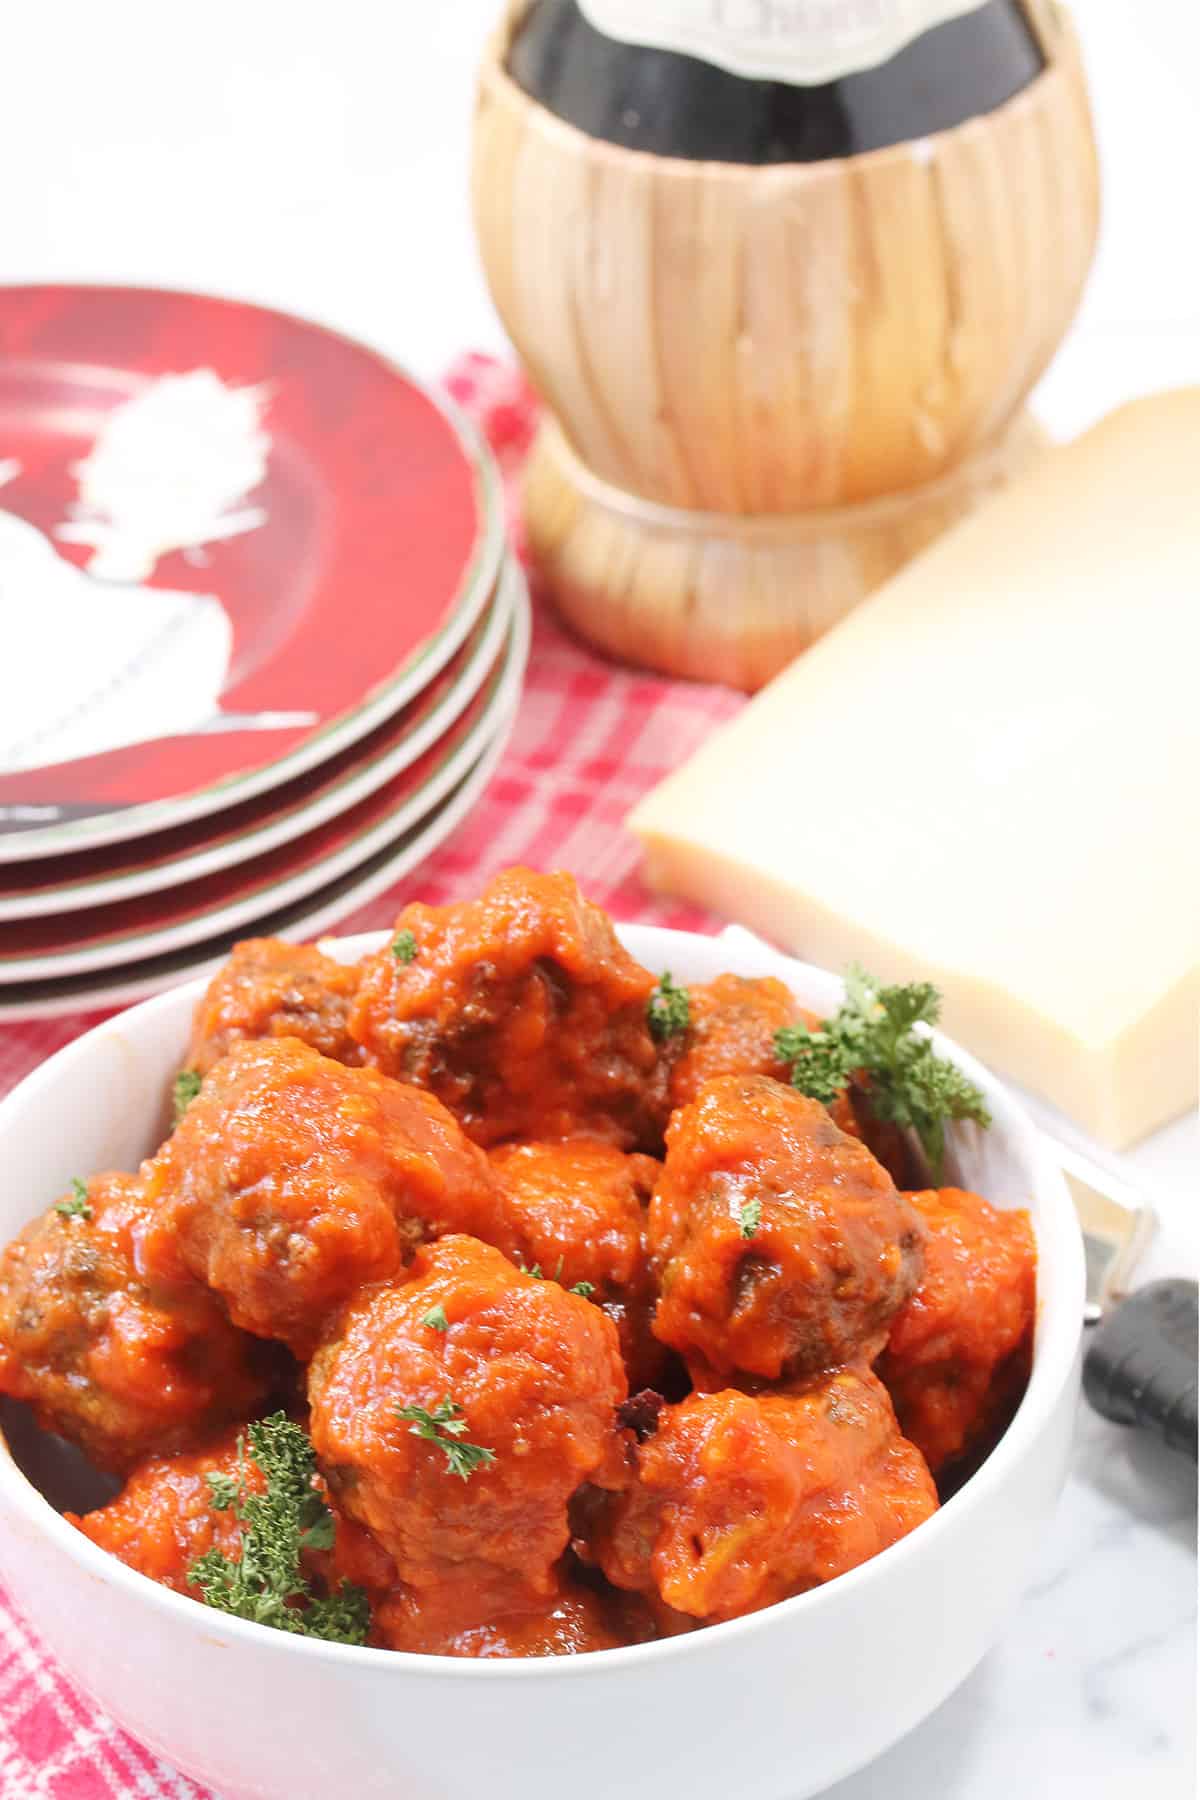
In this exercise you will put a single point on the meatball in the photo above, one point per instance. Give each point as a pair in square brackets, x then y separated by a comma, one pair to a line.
[164, 1520]
[570, 1621]
[520, 1011]
[455, 1416]
[958, 1354]
[579, 1208]
[731, 1029]
[851, 1111]
[271, 989]
[781, 1245]
[291, 1180]
[741, 1500]
[120, 1362]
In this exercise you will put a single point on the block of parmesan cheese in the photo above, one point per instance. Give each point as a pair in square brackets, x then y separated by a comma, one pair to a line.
[989, 775]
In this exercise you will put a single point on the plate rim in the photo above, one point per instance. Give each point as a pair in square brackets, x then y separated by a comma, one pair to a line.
[309, 923]
[133, 884]
[230, 917]
[65, 836]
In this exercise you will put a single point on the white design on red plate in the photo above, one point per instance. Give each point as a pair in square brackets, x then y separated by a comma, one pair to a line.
[170, 470]
[100, 664]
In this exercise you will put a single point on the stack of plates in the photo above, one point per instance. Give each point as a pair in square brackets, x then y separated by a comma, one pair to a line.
[264, 644]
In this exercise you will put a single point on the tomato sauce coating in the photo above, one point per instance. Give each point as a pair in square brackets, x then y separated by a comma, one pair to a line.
[120, 1362]
[741, 1500]
[731, 1029]
[520, 1011]
[572, 1620]
[272, 989]
[579, 1207]
[781, 1245]
[519, 1368]
[851, 1113]
[292, 1180]
[164, 1520]
[958, 1354]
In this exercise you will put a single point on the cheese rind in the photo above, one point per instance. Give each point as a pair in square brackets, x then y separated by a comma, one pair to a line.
[989, 776]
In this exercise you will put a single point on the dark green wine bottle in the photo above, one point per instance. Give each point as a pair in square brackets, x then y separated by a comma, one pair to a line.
[679, 105]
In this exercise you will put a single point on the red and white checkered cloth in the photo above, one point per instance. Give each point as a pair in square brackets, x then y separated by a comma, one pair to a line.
[590, 738]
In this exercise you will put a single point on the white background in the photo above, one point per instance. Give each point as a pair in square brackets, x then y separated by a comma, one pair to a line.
[314, 157]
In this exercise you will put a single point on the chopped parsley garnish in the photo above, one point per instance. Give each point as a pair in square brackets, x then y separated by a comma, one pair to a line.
[822, 1061]
[404, 947]
[668, 1009]
[78, 1206]
[585, 1289]
[436, 1318]
[750, 1217]
[444, 1426]
[267, 1582]
[187, 1086]
[535, 1270]
[909, 1085]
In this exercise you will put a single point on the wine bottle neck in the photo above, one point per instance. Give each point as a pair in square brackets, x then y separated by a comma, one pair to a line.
[804, 43]
[671, 103]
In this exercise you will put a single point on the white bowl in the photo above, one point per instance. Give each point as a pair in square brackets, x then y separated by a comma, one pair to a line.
[771, 1707]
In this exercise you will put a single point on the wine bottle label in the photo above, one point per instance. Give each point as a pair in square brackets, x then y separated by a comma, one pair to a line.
[803, 42]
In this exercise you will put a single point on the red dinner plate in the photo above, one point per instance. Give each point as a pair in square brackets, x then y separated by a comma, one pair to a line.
[231, 542]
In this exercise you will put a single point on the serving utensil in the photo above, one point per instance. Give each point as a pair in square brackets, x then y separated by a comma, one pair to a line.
[1140, 1365]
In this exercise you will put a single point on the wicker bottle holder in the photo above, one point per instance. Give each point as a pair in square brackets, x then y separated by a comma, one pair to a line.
[768, 387]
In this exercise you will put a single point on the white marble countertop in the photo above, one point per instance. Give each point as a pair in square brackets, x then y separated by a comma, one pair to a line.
[315, 158]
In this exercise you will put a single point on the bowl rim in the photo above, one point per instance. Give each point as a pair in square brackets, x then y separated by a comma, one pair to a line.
[1059, 1330]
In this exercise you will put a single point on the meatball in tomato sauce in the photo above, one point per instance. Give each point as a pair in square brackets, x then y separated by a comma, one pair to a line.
[731, 1029]
[164, 1520]
[292, 1180]
[580, 1209]
[740, 1500]
[269, 989]
[572, 1620]
[780, 1245]
[118, 1360]
[520, 1011]
[455, 1415]
[957, 1357]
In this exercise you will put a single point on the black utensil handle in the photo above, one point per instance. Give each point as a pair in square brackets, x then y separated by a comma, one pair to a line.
[1140, 1367]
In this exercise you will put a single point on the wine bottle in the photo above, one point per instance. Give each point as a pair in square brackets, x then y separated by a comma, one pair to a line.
[783, 273]
[771, 81]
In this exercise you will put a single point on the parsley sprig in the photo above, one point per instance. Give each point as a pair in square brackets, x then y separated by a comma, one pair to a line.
[668, 1009]
[444, 1426]
[78, 1206]
[404, 947]
[874, 1031]
[267, 1582]
[184, 1091]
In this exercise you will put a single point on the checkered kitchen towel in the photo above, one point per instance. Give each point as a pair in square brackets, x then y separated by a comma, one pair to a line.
[590, 738]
